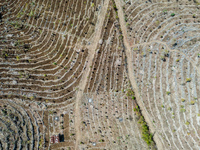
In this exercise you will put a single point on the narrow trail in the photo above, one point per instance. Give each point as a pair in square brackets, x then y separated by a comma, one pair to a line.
[168, 48]
[131, 76]
[82, 85]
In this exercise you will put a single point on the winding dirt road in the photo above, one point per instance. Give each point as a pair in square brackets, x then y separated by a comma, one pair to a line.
[91, 48]
[128, 47]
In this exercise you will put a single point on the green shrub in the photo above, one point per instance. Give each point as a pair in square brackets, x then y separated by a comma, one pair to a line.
[17, 57]
[187, 123]
[136, 109]
[183, 100]
[173, 14]
[182, 110]
[130, 92]
[168, 92]
[188, 79]
[169, 108]
[102, 140]
[192, 102]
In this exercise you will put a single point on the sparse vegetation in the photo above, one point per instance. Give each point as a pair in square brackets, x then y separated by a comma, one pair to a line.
[146, 135]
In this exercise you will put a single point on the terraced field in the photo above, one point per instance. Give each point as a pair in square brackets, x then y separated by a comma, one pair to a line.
[165, 63]
[103, 74]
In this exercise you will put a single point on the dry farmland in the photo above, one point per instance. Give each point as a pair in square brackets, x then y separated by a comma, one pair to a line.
[99, 74]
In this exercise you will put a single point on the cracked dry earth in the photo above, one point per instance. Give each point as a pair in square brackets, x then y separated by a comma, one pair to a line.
[101, 74]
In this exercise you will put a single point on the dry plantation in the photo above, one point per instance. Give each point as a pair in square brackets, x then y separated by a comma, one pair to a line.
[99, 74]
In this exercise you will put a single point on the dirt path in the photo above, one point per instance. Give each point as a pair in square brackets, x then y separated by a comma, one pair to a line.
[83, 82]
[131, 76]
[128, 46]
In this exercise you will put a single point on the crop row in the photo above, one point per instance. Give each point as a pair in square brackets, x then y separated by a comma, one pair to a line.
[43, 47]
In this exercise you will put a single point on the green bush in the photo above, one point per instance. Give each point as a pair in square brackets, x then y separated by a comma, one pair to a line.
[168, 92]
[182, 110]
[187, 123]
[192, 102]
[130, 92]
[173, 14]
[136, 109]
[188, 79]
[102, 140]
[183, 100]
[92, 5]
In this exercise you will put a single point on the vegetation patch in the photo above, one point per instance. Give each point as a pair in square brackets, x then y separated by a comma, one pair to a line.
[147, 136]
